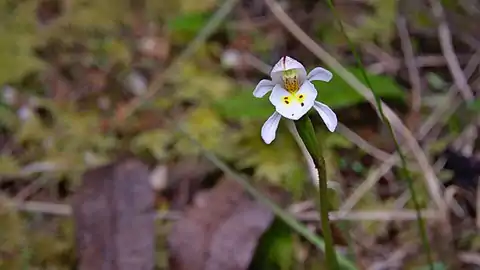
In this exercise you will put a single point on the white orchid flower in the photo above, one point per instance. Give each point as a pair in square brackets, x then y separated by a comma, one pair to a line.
[293, 95]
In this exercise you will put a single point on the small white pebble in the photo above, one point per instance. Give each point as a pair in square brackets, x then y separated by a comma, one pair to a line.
[9, 94]
[136, 83]
[25, 112]
[230, 58]
[159, 177]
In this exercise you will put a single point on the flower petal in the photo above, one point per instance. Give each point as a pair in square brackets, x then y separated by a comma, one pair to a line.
[328, 116]
[263, 87]
[319, 74]
[308, 93]
[269, 129]
[287, 63]
[293, 106]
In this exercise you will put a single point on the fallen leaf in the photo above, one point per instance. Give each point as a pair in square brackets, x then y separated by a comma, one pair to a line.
[221, 231]
[114, 218]
[184, 180]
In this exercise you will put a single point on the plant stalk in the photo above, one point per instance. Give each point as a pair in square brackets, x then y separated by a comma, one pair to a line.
[307, 133]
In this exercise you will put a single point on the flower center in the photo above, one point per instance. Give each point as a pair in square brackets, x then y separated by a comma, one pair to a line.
[291, 81]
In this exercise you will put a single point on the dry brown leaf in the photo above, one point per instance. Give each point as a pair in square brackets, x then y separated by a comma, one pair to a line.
[220, 232]
[114, 218]
[185, 178]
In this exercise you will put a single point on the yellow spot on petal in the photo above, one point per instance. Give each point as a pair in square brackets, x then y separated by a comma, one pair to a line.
[294, 98]
[301, 97]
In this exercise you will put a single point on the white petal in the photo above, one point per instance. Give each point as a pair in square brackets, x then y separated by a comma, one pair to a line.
[263, 87]
[296, 107]
[277, 95]
[269, 129]
[309, 92]
[328, 116]
[320, 74]
[287, 63]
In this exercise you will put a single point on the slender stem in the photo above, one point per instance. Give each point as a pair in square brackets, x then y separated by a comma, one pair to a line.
[308, 158]
[345, 225]
[324, 209]
[404, 171]
[307, 133]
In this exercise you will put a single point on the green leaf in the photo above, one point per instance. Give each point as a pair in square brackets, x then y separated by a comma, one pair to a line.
[338, 94]
[31, 130]
[18, 59]
[96, 15]
[18, 40]
[188, 24]
[436, 266]
[154, 141]
[8, 118]
[243, 105]
[8, 165]
[275, 249]
[436, 81]
[276, 163]
[474, 105]
[379, 25]
[204, 125]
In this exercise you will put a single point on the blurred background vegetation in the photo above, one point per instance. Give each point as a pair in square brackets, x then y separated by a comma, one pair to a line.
[84, 83]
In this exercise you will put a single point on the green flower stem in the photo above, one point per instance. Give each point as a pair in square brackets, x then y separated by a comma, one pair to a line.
[404, 170]
[307, 133]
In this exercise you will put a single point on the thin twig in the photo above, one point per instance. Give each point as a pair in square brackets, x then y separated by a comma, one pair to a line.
[422, 61]
[445, 109]
[387, 215]
[445, 37]
[412, 69]
[452, 202]
[56, 209]
[478, 203]
[394, 261]
[361, 143]
[33, 187]
[256, 63]
[470, 257]
[59, 209]
[371, 180]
